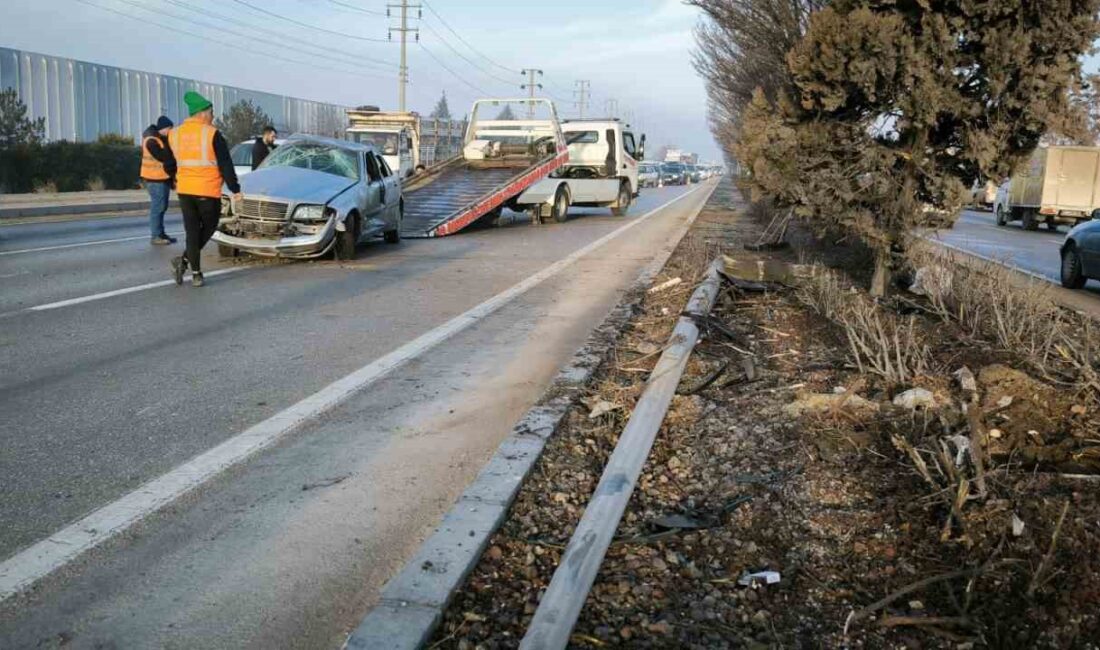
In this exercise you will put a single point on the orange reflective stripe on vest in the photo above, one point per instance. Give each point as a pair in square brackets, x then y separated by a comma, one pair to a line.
[151, 168]
[196, 164]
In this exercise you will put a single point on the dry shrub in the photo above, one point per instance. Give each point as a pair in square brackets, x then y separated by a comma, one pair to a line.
[879, 341]
[45, 187]
[993, 303]
[95, 184]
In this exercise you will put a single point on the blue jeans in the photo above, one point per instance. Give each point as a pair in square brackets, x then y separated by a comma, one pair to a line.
[158, 205]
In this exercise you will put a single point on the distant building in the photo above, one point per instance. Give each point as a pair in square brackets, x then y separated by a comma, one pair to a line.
[82, 100]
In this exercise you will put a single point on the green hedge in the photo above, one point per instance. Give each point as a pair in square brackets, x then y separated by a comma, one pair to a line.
[69, 166]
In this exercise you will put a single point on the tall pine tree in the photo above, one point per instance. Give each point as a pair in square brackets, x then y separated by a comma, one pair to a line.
[441, 110]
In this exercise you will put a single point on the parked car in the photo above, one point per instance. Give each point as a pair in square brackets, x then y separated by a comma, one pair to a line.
[242, 155]
[649, 175]
[673, 173]
[693, 174]
[983, 195]
[311, 196]
[1081, 254]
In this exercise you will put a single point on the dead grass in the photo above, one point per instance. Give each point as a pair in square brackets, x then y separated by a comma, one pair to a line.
[880, 342]
[95, 184]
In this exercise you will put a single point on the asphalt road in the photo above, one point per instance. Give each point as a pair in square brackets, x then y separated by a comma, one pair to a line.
[103, 391]
[1036, 251]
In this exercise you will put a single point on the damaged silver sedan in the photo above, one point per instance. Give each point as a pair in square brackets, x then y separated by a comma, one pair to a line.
[313, 195]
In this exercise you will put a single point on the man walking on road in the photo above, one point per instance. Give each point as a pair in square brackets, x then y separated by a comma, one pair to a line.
[263, 146]
[202, 156]
[158, 173]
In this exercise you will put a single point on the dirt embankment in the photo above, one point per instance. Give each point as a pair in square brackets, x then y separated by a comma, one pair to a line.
[885, 528]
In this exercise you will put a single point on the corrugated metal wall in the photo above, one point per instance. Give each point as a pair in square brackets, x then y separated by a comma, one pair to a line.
[82, 100]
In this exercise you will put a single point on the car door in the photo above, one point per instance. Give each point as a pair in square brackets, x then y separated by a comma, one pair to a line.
[1089, 240]
[392, 194]
[630, 162]
[374, 211]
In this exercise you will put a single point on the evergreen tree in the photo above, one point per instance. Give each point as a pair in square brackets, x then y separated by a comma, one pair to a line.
[895, 108]
[507, 113]
[15, 127]
[243, 121]
[441, 110]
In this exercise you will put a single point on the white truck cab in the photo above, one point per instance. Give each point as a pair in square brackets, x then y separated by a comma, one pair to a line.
[396, 135]
[603, 164]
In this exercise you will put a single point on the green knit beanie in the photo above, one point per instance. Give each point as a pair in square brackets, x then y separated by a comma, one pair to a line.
[196, 103]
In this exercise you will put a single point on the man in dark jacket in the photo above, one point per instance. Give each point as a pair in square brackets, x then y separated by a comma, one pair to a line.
[158, 174]
[263, 146]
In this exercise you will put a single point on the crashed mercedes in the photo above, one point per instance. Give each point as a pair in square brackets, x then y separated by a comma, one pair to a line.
[313, 195]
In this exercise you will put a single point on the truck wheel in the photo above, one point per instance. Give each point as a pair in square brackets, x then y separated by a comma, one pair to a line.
[623, 203]
[1072, 277]
[1052, 225]
[227, 251]
[1030, 222]
[1001, 218]
[560, 210]
[347, 240]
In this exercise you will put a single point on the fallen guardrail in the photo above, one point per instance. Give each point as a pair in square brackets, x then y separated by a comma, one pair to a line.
[561, 604]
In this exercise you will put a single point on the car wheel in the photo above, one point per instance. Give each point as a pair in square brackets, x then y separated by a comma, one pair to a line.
[1030, 222]
[1072, 274]
[227, 251]
[1001, 219]
[347, 240]
[623, 202]
[394, 236]
[560, 210]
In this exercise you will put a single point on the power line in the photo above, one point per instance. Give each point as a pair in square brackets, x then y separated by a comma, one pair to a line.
[453, 73]
[467, 44]
[175, 30]
[328, 56]
[307, 25]
[359, 9]
[510, 82]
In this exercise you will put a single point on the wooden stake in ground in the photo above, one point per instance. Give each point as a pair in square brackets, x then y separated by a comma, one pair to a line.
[1045, 564]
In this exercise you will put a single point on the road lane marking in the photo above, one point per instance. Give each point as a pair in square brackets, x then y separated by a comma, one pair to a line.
[46, 556]
[80, 244]
[121, 292]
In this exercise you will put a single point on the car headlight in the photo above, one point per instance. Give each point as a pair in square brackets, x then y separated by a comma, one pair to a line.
[310, 213]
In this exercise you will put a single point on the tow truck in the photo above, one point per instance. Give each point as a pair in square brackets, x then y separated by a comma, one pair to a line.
[602, 170]
[502, 158]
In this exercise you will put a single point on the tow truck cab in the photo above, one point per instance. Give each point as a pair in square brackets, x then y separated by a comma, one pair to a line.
[603, 158]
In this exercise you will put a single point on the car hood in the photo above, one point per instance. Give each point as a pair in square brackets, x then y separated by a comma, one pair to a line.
[294, 184]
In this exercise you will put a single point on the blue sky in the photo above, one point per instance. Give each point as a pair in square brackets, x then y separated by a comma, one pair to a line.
[637, 52]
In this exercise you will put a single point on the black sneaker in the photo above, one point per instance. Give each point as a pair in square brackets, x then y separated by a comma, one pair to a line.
[179, 265]
[162, 240]
[196, 280]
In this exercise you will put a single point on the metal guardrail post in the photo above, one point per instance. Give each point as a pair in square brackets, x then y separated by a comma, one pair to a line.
[561, 604]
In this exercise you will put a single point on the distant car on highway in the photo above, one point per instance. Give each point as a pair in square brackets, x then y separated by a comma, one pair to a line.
[673, 173]
[983, 195]
[649, 175]
[1081, 254]
[311, 196]
[693, 173]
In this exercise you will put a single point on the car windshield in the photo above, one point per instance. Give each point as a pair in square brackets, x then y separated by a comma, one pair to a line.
[674, 167]
[318, 157]
[386, 143]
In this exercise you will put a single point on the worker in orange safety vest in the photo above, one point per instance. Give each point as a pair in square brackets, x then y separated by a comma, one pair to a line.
[203, 167]
[158, 173]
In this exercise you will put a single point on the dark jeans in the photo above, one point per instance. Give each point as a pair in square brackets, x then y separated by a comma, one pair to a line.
[200, 220]
[158, 205]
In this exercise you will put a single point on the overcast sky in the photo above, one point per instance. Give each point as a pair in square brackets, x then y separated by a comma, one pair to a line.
[637, 52]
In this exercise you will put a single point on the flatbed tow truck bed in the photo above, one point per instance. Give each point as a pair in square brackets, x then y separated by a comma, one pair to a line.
[457, 192]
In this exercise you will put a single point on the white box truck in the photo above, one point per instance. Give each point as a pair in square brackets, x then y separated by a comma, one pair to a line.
[1058, 185]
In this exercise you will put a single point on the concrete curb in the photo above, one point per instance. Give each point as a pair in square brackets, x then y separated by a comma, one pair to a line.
[413, 601]
[77, 208]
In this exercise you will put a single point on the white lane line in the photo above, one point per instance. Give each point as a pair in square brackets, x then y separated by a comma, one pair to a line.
[44, 557]
[121, 292]
[80, 244]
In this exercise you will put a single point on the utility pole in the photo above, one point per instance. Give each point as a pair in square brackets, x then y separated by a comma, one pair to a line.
[612, 106]
[404, 30]
[530, 87]
[583, 93]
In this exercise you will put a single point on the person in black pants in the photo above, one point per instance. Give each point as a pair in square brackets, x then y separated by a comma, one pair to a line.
[204, 166]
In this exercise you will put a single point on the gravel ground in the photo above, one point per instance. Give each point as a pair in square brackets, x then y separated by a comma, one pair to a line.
[736, 483]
